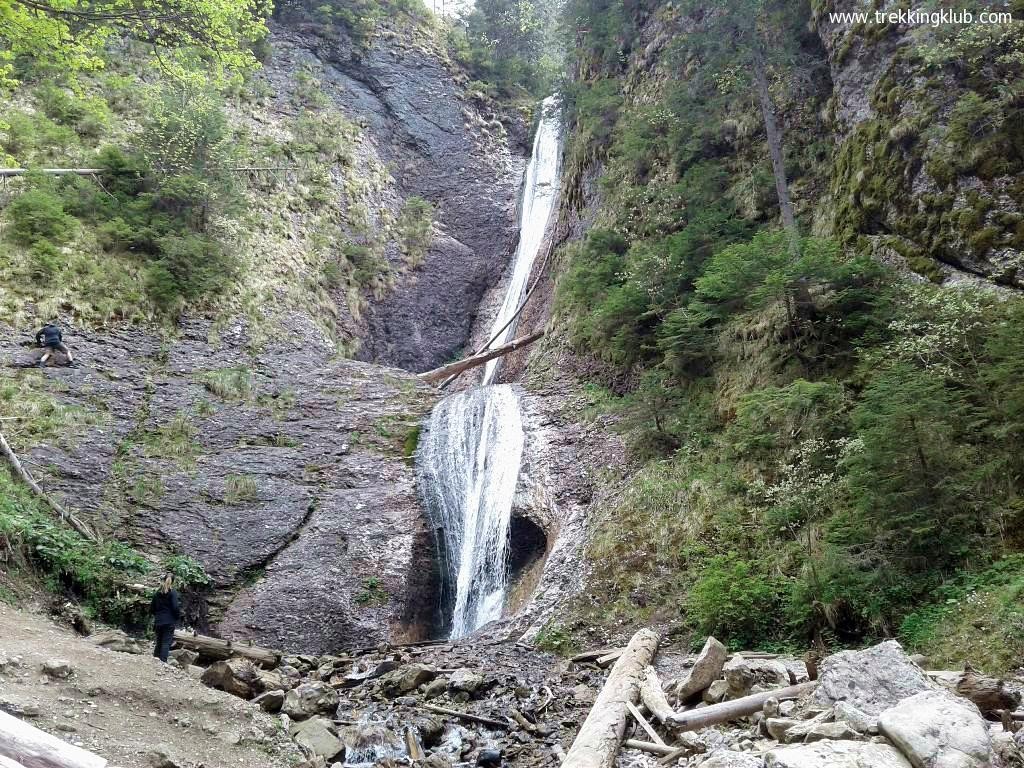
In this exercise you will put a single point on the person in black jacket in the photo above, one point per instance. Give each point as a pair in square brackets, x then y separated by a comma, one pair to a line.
[52, 339]
[166, 613]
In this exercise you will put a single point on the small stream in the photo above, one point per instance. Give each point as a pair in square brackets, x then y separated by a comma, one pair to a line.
[469, 457]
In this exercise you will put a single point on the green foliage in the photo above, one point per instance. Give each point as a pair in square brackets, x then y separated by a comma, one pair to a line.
[554, 639]
[508, 45]
[372, 592]
[98, 574]
[239, 489]
[38, 217]
[734, 600]
[415, 229]
[231, 384]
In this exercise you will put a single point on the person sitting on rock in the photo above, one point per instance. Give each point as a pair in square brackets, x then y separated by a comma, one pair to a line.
[51, 338]
[166, 609]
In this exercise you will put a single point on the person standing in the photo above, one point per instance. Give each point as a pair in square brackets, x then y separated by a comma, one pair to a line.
[166, 609]
[51, 339]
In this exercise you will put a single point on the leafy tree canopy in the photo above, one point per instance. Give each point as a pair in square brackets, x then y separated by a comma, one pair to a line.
[190, 38]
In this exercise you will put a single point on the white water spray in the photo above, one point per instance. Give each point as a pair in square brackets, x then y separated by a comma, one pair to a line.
[469, 458]
[539, 192]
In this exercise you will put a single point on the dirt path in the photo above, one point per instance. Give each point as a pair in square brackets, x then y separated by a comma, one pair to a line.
[122, 706]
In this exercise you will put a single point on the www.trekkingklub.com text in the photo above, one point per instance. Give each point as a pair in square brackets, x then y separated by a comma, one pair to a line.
[920, 18]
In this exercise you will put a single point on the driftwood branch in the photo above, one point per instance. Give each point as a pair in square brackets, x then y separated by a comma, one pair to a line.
[598, 741]
[216, 649]
[647, 746]
[642, 722]
[454, 369]
[22, 474]
[654, 698]
[23, 744]
[466, 716]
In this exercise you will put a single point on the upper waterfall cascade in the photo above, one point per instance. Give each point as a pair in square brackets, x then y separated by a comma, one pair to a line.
[539, 192]
[469, 459]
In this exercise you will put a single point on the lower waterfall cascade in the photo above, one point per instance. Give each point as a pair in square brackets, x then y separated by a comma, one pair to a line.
[469, 458]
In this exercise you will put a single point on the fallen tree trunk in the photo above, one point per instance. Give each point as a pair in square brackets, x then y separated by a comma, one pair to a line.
[646, 746]
[218, 650]
[22, 744]
[654, 698]
[454, 369]
[730, 710]
[602, 732]
[580, 658]
[737, 708]
[22, 474]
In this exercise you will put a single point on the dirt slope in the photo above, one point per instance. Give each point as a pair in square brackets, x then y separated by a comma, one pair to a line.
[122, 706]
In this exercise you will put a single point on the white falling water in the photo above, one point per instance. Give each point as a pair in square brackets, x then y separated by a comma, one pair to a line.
[539, 192]
[468, 460]
[468, 468]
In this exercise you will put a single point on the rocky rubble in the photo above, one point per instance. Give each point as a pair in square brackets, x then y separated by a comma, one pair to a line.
[499, 703]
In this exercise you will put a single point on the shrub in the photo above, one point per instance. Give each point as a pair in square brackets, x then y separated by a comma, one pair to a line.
[415, 229]
[734, 602]
[38, 215]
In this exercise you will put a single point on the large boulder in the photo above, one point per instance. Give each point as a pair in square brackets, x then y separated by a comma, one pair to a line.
[236, 676]
[744, 675]
[836, 754]
[407, 679]
[935, 729]
[319, 737]
[310, 699]
[705, 670]
[871, 680]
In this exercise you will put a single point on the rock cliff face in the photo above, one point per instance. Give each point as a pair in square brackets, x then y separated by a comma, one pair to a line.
[437, 145]
[282, 467]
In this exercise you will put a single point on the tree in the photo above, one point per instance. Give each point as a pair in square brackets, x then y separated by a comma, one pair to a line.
[188, 37]
[740, 42]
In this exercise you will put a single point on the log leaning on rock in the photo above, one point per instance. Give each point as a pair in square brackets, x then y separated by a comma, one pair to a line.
[218, 650]
[25, 745]
[598, 741]
[730, 710]
[654, 698]
[988, 693]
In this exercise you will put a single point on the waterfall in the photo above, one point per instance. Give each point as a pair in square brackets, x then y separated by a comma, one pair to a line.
[469, 456]
[539, 192]
[469, 465]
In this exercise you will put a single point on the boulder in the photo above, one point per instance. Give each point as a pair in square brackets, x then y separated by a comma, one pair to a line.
[184, 657]
[935, 729]
[310, 699]
[272, 680]
[116, 640]
[728, 758]
[716, 692]
[160, 757]
[836, 754]
[465, 681]
[318, 736]
[270, 701]
[871, 680]
[435, 688]
[778, 727]
[58, 669]
[705, 670]
[744, 675]
[836, 730]
[407, 679]
[489, 758]
[236, 676]
[853, 717]
[19, 707]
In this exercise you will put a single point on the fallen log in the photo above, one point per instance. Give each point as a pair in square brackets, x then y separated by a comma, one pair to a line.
[8, 763]
[215, 649]
[466, 716]
[22, 744]
[454, 369]
[646, 746]
[598, 740]
[22, 474]
[609, 658]
[988, 693]
[581, 658]
[654, 698]
[642, 721]
[730, 710]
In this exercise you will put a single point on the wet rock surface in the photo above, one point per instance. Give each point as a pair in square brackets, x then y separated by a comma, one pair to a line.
[282, 472]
